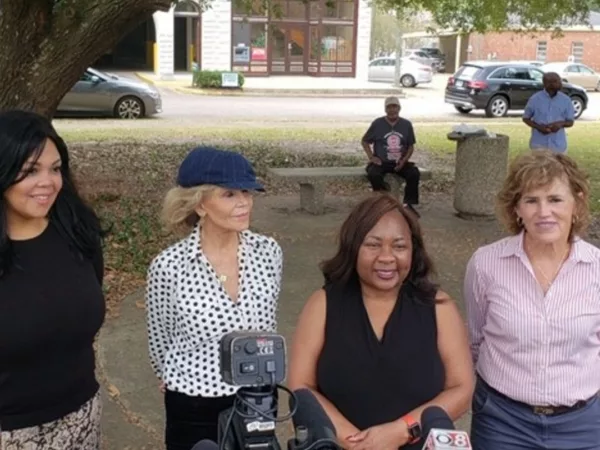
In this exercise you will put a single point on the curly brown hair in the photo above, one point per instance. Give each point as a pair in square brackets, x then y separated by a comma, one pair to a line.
[536, 169]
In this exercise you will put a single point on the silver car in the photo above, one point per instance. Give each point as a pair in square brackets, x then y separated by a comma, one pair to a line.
[412, 72]
[98, 93]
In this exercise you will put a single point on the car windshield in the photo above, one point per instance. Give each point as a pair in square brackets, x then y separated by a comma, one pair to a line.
[467, 72]
[100, 73]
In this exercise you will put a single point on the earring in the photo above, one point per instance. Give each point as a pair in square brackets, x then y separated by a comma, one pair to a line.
[520, 221]
[575, 219]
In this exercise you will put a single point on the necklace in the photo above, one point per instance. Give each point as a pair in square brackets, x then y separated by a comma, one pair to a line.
[222, 278]
[549, 280]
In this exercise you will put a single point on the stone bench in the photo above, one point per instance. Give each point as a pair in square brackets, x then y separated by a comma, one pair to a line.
[313, 180]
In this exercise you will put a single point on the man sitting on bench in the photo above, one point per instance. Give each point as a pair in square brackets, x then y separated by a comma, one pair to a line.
[389, 144]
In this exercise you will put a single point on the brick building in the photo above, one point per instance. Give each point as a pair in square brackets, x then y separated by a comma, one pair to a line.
[581, 43]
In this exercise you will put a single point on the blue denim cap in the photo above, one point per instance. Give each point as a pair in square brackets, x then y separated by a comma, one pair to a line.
[227, 169]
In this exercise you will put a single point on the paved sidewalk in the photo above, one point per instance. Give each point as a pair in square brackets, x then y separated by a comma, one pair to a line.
[306, 240]
[295, 86]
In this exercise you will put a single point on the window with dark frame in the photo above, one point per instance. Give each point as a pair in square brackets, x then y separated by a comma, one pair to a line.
[330, 30]
[541, 51]
[577, 51]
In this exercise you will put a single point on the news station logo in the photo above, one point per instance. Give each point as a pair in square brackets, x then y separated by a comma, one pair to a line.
[448, 440]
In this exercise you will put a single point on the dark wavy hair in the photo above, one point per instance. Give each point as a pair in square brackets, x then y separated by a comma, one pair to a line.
[23, 135]
[341, 269]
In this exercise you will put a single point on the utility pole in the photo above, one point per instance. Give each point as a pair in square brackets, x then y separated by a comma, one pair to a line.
[399, 48]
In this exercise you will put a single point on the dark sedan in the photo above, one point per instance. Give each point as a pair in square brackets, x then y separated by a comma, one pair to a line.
[498, 87]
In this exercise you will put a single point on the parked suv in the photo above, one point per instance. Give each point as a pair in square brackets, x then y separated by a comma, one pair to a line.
[423, 58]
[436, 54]
[498, 87]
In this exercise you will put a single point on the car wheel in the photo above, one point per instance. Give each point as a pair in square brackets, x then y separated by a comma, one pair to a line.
[598, 86]
[577, 106]
[129, 108]
[408, 81]
[497, 107]
[463, 110]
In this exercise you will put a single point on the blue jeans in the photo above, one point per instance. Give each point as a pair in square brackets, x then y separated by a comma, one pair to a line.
[501, 424]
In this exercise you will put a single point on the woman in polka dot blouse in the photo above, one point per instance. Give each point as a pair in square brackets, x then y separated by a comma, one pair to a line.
[220, 278]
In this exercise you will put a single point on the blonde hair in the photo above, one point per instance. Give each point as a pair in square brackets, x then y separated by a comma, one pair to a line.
[179, 214]
[536, 169]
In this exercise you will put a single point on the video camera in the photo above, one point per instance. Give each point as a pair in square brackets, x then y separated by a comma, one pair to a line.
[256, 362]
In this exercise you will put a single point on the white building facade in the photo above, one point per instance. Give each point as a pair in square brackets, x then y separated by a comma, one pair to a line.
[324, 38]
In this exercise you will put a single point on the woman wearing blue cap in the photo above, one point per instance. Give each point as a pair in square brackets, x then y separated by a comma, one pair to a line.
[220, 278]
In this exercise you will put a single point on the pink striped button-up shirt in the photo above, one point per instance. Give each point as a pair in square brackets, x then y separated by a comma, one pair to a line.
[543, 350]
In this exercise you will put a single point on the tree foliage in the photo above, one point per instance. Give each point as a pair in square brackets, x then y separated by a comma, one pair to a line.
[386, 27]
[487, 15]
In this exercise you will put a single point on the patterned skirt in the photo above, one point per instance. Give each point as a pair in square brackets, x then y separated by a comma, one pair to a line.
[79, 430]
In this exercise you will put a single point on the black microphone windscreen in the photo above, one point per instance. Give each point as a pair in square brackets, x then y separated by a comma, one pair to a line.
[310, 413]
[435, 417]
[205, 444]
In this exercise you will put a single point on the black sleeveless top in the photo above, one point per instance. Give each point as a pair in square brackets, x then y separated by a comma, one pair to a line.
[372, 382]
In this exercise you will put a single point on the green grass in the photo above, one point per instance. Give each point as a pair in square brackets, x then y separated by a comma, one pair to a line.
[238, 133]
[583, 138]
[583, 146]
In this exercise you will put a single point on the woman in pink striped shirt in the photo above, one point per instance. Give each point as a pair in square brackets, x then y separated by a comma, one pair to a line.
[533, 306]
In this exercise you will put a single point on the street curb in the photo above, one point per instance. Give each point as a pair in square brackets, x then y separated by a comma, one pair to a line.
[298, 93]
[144, 78]
[305, 93]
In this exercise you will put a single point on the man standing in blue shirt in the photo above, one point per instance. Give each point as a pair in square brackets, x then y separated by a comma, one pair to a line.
[548, 113]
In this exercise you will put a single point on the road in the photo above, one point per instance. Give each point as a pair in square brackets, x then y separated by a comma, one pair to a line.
[422, 104]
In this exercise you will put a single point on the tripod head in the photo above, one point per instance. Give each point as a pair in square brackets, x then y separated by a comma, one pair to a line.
[256, 362]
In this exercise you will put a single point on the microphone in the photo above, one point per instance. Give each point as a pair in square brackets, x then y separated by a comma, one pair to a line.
[313, 426]
[440, 431]
[205, 444]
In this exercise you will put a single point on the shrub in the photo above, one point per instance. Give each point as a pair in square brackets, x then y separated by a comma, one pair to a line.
[212, 79]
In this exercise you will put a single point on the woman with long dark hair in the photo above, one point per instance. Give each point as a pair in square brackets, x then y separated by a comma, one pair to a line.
[51, 300]
[379, 343]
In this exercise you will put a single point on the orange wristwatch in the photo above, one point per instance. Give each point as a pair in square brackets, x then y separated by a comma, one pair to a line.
[414, 428]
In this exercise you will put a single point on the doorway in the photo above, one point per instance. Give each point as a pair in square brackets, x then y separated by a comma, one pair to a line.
[186, 46]
[289, 49]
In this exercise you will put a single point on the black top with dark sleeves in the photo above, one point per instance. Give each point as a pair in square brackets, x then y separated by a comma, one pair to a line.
[390, 141]
[51, 308]
[373, 382]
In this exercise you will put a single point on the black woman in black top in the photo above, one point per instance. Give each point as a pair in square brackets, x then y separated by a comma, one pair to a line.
[51, 300]
[379, 343]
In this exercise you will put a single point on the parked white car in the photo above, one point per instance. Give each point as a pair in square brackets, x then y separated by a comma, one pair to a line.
[575, 73]
[412, 73]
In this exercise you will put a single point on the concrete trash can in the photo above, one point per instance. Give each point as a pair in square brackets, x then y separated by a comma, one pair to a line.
[481, 167]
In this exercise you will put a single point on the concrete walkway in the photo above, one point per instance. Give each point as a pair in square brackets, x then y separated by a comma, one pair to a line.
[282, 85]
[134, 414]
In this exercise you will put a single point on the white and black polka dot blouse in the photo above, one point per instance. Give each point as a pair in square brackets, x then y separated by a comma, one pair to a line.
[188, 310]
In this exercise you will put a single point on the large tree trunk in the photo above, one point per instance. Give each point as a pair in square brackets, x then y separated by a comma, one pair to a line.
[46, 45]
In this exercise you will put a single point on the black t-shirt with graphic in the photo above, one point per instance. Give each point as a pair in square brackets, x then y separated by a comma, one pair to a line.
[390, 142]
